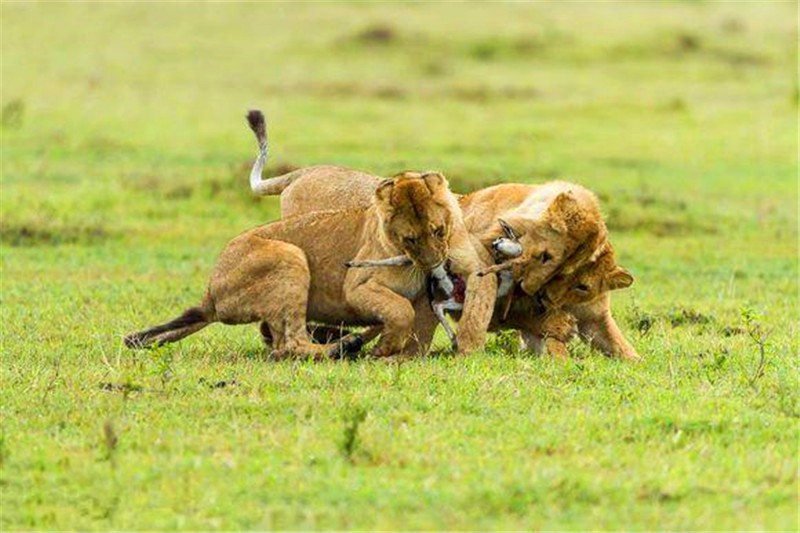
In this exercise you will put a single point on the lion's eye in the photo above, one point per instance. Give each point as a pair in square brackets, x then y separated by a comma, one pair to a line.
[410, 241]
[544, 257]
[439, 232]
[581, 287]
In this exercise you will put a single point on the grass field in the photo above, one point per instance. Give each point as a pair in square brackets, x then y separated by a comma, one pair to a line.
[124, 171]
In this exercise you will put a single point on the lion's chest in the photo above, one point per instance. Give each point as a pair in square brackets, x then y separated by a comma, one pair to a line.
[405, 281]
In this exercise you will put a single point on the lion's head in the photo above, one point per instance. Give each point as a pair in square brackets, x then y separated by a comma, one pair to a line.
[588, 282]
[417, 212]
[563, 237]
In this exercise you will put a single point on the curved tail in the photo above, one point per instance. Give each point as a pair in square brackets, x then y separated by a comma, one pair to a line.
[258, 124]
[271, 186]
[192, 320]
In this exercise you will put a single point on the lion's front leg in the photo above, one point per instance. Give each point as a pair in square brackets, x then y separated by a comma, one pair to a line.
[598, 327]
[374, 301]
[425, 323]
[557, 328]
[478, 309]
[468, 257]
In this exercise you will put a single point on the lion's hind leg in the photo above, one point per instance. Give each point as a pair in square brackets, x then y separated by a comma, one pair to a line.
[269, 283]
[550, 333]
[557, 328]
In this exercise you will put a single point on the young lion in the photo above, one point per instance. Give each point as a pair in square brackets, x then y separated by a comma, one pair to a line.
[292, 270]
[465, 258]
[574, 303]
[560, 225]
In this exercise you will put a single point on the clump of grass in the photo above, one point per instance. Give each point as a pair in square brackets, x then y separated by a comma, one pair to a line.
[3, 449]
[504, 343]
[37, 232]
[676, 105]
[642, 320]
[218, 384]
[163, 358]
[648, 211]
[788, 396]
[12, 114]
[499, 47]
[732, 331]
[380, 34]
[110, 441]
[496, 48]
[686, 42]
[684, 316]
[126, 388]
[714, 366]
[351, 444]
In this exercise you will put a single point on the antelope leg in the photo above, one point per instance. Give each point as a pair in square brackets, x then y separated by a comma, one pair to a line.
[438, 310]
[506, 265]
[400, 260]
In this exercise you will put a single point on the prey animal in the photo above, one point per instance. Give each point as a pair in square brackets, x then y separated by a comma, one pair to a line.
[447, 289]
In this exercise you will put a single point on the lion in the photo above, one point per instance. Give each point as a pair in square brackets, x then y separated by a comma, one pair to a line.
[559, 224]
[293, 270]
[573, 303]
[539, 255]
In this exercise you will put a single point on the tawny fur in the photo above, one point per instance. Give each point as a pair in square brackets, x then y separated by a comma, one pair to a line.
[293, 270]
[559, 218]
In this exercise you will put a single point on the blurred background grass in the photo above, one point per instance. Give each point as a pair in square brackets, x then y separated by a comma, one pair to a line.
[123, 124]
[669, 100]
[125, 157]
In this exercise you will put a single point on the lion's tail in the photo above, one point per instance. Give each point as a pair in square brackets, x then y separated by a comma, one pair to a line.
[192, 320]
[271, 186]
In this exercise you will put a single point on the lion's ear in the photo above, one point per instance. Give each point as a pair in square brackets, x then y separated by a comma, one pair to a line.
[383, 193]
[407, 174]
[560, 209]
[563, 202]
[435, 181]
[619, 278]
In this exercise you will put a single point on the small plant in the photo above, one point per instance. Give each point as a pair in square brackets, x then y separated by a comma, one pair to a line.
[759, 335]
[397, 375]
[163, 358]
[110, 441]
[716, 364]
[504, 343]
[641, 320]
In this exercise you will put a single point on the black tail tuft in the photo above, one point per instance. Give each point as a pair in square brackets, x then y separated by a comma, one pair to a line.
[143, 339]
[257, 123]
[347, 347]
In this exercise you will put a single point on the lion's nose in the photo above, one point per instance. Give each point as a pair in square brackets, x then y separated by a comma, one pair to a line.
[434, 261]
[529, 288]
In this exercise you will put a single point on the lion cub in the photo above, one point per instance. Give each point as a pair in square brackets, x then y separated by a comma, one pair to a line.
[558, 225]
[293, 270]
[572, 303]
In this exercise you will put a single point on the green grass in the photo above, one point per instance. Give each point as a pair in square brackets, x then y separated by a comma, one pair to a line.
[124, 170]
